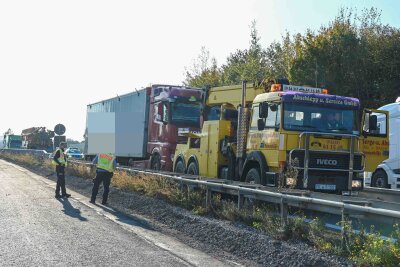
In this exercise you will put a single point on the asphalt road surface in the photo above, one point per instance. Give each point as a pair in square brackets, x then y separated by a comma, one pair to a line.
[38, 230]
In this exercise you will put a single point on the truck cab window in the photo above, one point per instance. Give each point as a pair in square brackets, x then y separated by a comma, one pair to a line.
[273, 120]
[254, 118]
[294, 117]
[194, 142]
[162, 112]
[214, 113]
[165, 113]
[301, 117]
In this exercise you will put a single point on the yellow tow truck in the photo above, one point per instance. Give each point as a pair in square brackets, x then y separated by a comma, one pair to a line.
[255, 133]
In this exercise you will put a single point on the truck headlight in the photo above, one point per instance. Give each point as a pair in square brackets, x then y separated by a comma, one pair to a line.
[356, 184]
[396, 171]
[290, 181]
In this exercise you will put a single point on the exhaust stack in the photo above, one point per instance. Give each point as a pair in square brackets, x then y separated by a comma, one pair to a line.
[243, 125]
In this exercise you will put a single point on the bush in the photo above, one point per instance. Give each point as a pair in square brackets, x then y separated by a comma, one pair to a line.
[369, 249]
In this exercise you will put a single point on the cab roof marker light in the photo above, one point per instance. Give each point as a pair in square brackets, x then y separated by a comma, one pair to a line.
[325, 91]
[276, 87]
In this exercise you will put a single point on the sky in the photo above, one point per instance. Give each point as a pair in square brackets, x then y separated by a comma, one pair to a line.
[56, 57]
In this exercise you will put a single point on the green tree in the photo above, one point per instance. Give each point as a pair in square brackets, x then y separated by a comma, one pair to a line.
[249, 64]
[354, 55]
[203, 72]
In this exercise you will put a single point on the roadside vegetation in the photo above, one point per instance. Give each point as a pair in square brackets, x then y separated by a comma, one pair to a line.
[365, 248]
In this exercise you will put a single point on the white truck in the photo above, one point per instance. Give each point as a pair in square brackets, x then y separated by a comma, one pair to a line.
[387, 174]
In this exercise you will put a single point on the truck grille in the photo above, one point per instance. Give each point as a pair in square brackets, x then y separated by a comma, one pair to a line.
[328, 161]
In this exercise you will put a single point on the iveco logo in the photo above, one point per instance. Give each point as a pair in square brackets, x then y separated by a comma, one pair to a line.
[330, 162]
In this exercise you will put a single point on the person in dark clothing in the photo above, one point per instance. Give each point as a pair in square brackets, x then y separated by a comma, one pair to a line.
[60, 160]
[334, 121]
[105, 166]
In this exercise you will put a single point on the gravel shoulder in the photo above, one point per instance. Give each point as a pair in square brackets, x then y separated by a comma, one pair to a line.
[225, 240]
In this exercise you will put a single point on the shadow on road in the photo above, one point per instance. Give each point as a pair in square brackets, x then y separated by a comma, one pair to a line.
[127, 219]
[70, 210]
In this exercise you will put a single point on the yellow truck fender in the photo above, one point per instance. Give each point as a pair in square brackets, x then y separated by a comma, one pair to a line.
[255, 159]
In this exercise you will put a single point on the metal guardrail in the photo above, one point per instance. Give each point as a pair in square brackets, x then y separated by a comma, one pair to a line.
[345, 208]
[383, 194]
[34, 152]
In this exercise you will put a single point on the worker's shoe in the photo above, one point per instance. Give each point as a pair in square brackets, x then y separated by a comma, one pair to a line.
[57, 196]
[66, 195]
[104, 203]
[92, 201]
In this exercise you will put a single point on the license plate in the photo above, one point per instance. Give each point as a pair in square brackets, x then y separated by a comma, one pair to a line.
[325, 187]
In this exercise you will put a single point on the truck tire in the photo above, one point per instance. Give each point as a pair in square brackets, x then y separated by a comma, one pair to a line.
[253, 176]
[193, 169]
[155, 162]
[379, 179]
[179, 167]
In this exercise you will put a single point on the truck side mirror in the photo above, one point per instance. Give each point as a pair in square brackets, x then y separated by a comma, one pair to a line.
[260, 124]
[263, 110]
[373, 123]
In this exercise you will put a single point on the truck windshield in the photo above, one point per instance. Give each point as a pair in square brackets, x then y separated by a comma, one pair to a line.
[311, 118]
[15, 144]
[185, 114]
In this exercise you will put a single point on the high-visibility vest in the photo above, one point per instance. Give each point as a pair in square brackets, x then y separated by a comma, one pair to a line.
[105, 162]
[61, 159]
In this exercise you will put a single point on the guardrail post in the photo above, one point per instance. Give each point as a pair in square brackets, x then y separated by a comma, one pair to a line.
[284, 211]
[306, 160]
[240, 200]
[208, 198]
[181, 184]
[345, 228]
[351, 164]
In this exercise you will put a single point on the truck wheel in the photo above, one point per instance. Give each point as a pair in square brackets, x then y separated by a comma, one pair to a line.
[379, 179]
[253, 176]
[155, 162]
[179, 167]
[193, 169]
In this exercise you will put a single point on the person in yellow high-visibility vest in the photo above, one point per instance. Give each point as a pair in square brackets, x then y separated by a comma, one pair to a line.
[105, 166]
[60, 160]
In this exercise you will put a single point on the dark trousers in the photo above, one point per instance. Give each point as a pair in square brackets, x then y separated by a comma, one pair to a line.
[105, 178]
[60, 171]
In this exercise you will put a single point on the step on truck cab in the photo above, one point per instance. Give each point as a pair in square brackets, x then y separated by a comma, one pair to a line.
[255, 139]
[143, 127]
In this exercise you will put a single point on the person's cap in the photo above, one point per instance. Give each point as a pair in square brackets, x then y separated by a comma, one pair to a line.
[63, 143]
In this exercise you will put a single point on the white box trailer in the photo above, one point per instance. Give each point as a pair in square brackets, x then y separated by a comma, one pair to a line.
[118, 125]
[142, 128]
